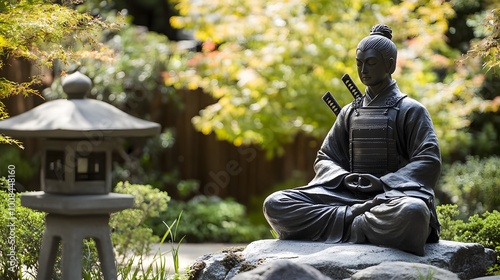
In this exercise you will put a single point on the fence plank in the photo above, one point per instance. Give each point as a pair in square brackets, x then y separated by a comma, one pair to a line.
[229, 171]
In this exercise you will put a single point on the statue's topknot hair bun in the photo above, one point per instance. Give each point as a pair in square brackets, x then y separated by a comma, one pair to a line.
[381, 29]
[380, 40]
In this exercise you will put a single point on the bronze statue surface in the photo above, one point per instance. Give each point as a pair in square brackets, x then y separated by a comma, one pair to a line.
[375, 171]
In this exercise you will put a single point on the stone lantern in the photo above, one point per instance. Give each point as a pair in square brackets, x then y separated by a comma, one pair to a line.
[78, 137]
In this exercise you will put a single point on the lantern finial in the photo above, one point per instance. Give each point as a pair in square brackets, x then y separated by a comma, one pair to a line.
[76, 85]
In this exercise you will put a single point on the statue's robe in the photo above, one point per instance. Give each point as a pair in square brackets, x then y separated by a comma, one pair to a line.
[320, 211]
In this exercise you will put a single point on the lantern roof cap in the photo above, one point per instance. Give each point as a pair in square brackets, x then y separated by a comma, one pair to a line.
[77, 117]
[76, 85]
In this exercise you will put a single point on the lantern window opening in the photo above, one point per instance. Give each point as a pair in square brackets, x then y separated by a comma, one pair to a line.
[55, 163]
[90, 167]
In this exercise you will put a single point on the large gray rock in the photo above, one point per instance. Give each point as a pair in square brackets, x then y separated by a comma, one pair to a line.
[403, 271]
[282, 269]
[286, 269]
[341, 261]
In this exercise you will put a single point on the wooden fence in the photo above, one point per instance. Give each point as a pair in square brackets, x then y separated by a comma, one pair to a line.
[226, 170]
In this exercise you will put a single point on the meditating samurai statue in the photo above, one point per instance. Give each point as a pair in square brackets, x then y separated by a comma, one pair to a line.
[375, 171]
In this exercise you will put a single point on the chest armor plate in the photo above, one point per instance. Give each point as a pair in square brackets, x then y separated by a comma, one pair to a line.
[372, 140]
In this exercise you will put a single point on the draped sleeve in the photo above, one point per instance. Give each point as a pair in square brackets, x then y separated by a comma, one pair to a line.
[420, 158]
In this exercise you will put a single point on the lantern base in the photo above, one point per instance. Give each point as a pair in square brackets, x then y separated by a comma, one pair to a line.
[70, 232]
[71, 219]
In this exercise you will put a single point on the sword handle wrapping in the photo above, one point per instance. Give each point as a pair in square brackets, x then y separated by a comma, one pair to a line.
[351, 86]
[332, 103]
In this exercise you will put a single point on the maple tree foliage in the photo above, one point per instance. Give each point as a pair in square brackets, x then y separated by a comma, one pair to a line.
[51, 32]
[268, 63]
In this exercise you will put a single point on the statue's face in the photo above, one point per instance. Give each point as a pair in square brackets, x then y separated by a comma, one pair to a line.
[371, 67]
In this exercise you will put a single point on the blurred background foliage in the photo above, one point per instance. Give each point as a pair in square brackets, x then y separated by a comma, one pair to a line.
[267, 64]
[473, 185]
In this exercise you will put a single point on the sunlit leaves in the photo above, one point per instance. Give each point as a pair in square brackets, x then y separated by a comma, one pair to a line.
[489, 47]
[41, 36]
[451, 103]
[275, 59]
[40, 31]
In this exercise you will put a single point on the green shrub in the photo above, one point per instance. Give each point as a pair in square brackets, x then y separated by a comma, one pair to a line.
[27, 226]
[450, 225]
[483, 229]
[130, 232]
[210, 219]
[130, 235]
[473, 185]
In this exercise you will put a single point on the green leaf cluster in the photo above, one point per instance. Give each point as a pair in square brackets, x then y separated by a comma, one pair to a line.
[27, 237]
[488, 46]
[210, 219]
[479, 228]
[43, 32]
[131, 233]
[473, 185]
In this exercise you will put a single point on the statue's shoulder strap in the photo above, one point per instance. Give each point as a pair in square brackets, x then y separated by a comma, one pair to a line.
[394, 101]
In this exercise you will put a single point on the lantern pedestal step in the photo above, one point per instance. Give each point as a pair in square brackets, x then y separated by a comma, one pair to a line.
[77, 204]
[69, 221]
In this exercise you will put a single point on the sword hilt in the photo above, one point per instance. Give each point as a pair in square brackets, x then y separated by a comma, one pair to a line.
[351, 86]
[332, 103]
